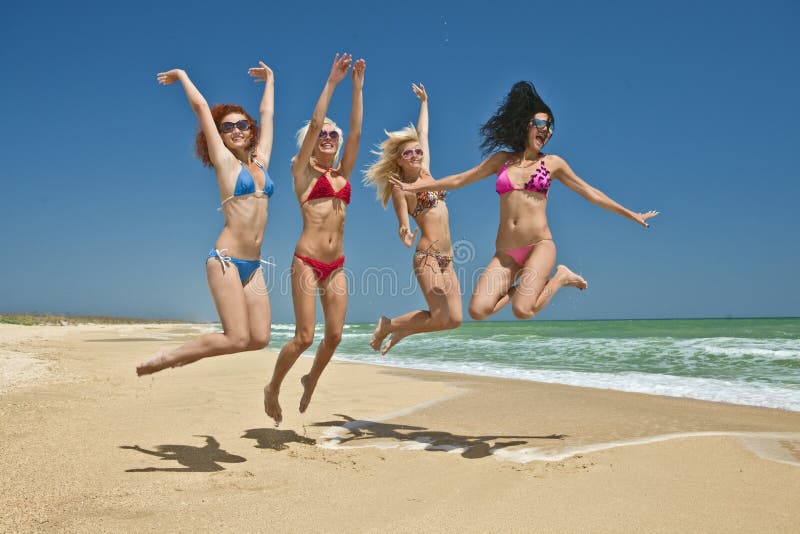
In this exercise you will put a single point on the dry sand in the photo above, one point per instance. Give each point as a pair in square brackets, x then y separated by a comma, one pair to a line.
[85, 445]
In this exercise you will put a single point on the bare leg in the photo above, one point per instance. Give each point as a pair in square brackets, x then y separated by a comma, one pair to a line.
[229, 298]
[304, 290]
[534, 291]
[441, 291]
[494, 288]
[334, 307]
[563, 277]
[258, 311]
[382, 329]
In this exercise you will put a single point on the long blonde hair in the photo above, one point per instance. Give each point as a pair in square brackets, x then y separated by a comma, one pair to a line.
[301, 134]
[386, 165]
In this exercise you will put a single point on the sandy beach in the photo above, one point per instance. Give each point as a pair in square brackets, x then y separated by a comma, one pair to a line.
[85, 445]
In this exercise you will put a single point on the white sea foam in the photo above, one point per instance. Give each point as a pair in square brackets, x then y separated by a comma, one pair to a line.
[765, 444]
[712, 389]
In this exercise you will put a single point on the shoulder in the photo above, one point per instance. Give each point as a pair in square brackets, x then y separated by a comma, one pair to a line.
[498, 159]
[555, 162]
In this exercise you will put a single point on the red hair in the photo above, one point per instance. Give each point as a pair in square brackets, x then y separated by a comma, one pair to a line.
[219, 112]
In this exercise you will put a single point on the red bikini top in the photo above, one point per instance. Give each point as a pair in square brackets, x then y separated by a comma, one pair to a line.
[324, 189]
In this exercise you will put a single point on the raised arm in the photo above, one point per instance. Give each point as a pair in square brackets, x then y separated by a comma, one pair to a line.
[266, 111]
[422, 123]
[217, 151]
[486, 168]
[338, 72]
[350, 152]
[401, 211]
[563, 172]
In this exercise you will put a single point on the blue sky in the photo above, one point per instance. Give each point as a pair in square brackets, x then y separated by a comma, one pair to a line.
[689, 108]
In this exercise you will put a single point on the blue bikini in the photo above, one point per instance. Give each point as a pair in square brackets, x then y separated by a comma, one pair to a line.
[245, 185]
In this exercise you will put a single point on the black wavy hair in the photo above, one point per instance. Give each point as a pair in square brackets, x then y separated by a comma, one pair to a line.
[508, 127]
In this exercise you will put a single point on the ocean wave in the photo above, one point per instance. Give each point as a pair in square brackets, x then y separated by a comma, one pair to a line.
[734, 391]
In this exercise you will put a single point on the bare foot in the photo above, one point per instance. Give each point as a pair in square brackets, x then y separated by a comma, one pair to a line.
[394, 340]
[570, 279]
[154, 364]
[271, 405]
[308, 390]
[380, 333]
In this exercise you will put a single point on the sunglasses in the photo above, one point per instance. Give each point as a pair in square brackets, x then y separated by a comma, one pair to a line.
[541, 124]
[410, 153]
[242, 125]
[332, 134]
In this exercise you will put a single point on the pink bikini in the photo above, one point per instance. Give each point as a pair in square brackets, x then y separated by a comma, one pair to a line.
[539, 182]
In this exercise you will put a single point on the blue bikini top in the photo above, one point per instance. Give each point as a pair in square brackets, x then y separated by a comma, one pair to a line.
[246, 184]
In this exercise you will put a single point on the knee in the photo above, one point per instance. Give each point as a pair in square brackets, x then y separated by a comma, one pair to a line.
[478, 313]
[259, 340]
[304, 339]
[333, 339]
[454, 321]
[239, 342]
[522, 312]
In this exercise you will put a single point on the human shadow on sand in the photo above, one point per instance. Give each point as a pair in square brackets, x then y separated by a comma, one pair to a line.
[278, 440]
[195, 459]
[472, 447]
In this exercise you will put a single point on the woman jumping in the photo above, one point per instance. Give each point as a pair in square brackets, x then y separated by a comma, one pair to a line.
[323, 191]
[230, 141]
[525, 253]
[406, 156]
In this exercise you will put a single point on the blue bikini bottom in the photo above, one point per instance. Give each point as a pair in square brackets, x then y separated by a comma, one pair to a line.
[246, 268]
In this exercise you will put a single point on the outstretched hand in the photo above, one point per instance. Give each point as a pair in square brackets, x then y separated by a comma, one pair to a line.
[400, 185]
[407, 237]
[262, 73]
[419, 90]
[340, 67]
[358, 74]
[169, 77]
[641, 218]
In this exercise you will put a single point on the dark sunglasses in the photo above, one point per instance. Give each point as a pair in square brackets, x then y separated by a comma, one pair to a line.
[333, 134]
[243, 125]
[541, 124]
[410, 153]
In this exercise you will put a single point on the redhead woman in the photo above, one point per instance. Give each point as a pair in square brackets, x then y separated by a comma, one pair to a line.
[231, 142]
[521, 271]
[323, 190]
[405, 155]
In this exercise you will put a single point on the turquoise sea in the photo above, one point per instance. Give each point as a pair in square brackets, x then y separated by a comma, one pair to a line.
[741, 361]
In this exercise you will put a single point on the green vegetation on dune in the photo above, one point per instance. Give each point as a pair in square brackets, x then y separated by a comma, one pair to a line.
[29, 319]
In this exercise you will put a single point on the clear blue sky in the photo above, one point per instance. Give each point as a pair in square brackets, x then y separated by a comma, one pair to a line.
[690, 108]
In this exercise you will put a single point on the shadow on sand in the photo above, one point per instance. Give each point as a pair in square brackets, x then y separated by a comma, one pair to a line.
[278, 440]
[472, 447]
[194, 459]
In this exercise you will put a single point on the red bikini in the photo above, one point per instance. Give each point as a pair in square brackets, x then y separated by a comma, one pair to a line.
[323, 189]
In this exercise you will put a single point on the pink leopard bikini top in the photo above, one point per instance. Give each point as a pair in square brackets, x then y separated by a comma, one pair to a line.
[539, 181]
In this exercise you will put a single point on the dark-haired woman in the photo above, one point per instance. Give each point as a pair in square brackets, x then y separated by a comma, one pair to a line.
[520, 271]
[230, 141]
[323, 191]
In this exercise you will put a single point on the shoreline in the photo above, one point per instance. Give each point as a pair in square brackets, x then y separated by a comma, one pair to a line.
[179, 332]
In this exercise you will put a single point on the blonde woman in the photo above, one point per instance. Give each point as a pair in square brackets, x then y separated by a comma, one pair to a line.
[323, 191]
[405, 155]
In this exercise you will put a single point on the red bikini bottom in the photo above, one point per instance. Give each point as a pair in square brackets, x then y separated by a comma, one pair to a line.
[322, 270]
